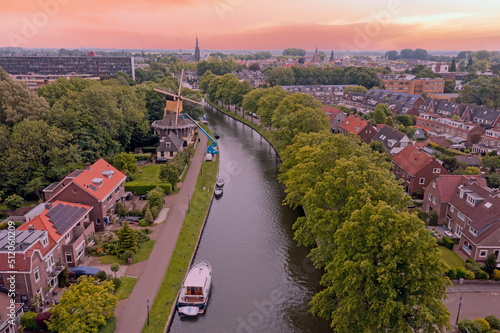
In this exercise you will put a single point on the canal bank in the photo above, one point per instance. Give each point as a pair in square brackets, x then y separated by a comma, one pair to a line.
[262, 281]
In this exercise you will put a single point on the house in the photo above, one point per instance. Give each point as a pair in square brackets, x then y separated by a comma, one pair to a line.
[326, 94]
[416, 169]
[168, 148]
[393, 140]
[398, 108]
[460, 132]
[354, 98]
[419, 134]
[438, 140]
[10, 313]
[355, 125]
[99, 185]
[54, 238]
[487, 118]
[489, 141]
[402, 97]
[469, 160]
[472, 213]
[335, 116]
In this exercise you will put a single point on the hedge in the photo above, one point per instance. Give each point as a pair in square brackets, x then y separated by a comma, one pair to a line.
[140, 188]
[446, 241]
[149, 149]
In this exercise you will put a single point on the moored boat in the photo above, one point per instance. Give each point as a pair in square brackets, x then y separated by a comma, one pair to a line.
[216, 135]
[195, 289]
[218, 192]
[220, 182]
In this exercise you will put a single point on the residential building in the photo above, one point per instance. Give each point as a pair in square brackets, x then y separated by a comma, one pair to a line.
[35, 81]
[416, 169]
[326, 94]
[64, 65]
[99, 185]
[438, 140]
[54, 238]
[402, 97]
[354, 98]
[470, 160]
[489, 141]
[393, 140]
[460, 132]
[399, 108]
[357, 126]
[10, 313]
[487, 118]
[440, 68]
[335, 116]
[168, 148]
[256, 78]
[407, 83]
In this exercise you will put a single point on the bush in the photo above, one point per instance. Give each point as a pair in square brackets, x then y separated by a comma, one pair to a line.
[144, 223]
[483, 276]
[116, 283]
[496, 275]
[433, 218]
[474, 267]
[42, 318]
[126, 255]
[101, 276]
[490, 263]
[142, 157]
[148, 216]
[470, 275]
[493, 321]
[5, 225]
[451, 273]
[484, 326]
[140, 188]
[465, 325]
[155, 211]
[28, 321]
[13, 202]
[461, 273]
[448, 242]
[141, 237]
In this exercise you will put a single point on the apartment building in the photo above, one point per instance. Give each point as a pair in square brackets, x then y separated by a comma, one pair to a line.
[407, 83]
[326, 94]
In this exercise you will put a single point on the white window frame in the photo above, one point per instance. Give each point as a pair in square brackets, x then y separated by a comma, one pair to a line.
[452, 209]
[481, 255]
[461, 215]
[36, 272]
[66, 257]
[421, 181]
[436, 170]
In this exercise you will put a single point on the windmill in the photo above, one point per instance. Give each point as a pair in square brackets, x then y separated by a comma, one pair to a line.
[175, 103]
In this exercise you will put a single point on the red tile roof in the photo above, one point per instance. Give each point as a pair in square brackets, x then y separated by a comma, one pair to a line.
[353, 124]
[439, 140]
[84, 180]
[412, 159]
[330, 109]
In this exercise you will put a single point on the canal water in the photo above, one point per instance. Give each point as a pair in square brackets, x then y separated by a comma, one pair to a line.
[262, 281]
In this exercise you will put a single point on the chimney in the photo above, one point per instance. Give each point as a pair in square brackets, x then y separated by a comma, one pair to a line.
[433, 158]
[87, 167]
[48, 205]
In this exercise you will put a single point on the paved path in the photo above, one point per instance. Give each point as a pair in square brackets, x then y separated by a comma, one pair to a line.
[133, 315]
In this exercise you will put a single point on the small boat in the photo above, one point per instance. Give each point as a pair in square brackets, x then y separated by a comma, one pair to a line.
[218, 192]
[195, 289]
[216, 135]
[220, 182]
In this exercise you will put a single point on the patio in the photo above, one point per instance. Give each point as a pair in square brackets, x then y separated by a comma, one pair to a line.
[440, 231]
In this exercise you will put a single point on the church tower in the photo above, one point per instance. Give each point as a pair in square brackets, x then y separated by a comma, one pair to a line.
[196, 51]
[315, 58]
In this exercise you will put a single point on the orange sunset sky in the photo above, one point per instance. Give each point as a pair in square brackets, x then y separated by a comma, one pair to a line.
[252, 24]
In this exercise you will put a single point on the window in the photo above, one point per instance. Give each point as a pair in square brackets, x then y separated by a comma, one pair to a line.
[421, 180]
[434, 200]
[436, 170]
[45, 241]
[458, 230]
[98, 221]
[461, 216]
[483, 253]
[429, 196]
[434, 184]
[452, 209]
[109, 198]
[69, 257]
[470, 200]
[36, 273]
[408, 177]
[473, 231]
[117, 189]
[67, 238]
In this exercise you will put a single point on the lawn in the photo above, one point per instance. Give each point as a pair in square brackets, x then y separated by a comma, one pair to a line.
[150, 173]
[128, 283]
[110, 259]
[452, 259]
[144, 251]
[179, 262]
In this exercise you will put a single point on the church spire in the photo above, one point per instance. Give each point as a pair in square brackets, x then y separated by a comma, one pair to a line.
[197, 50]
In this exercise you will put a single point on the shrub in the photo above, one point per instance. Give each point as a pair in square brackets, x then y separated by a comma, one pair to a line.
[493, 321]
[42, 318]
[490, 264]
[148, 216]
[469, 260]
[496, 275]
[144, 223]
[116, 283]
[13, 202]
[63, 277]
[448, 243]
[155, 211]
[142, 157]
[461, 273]
[28, 321]
[115, 268]
[474, 267]
[126, 255]
[433, 217]
[141, 237]
[140, 188]
[483, 276]
[470, 275]
[484, 326]
[465, 325]
[451, 273]
[101, 276]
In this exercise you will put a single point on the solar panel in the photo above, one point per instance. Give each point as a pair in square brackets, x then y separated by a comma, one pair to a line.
[63, 216]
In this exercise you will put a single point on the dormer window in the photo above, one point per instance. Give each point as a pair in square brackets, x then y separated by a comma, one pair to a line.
[45, 241]
[471, 200]
[97, 181]
[473, 231]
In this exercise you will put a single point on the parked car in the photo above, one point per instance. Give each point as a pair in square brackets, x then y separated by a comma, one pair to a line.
[143, 197]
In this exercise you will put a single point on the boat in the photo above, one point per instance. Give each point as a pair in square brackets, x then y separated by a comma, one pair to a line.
[218, 192]
[220, 182]
[216, 135]
[193, 297]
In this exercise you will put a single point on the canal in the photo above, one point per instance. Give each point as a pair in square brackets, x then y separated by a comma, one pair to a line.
[262, 281]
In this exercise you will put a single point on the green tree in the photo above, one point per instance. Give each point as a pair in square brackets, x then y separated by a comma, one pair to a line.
[126, 162]
[392, 55]
[282, 76]
[450, 163]
[332, 56]
[389, 122]
[239, 91]
[492, 163]
[268, 102]
[225, 88]
[385, 276]
[493, 180]
[77, 312]
[155, 197]
[294, 52]
[127, 239]
[379, 115]
[472, 171]
[205, 81]
[377, 146]
[13, 202]
[449, 86]
[148, 216]
[359, 89]
[490, 264]
[169, 173]
[115, 268]
[453, 66]
[251, 99]
[483, 55]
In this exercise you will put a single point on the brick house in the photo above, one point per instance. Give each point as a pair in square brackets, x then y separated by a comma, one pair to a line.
[393, 140]
[168, 148]
[489, 141]
[335, 117]
[354, 99]
[5, 314]
[99, 185]
[401, 97]
[54, 238]
[416, 169]
[355, 125]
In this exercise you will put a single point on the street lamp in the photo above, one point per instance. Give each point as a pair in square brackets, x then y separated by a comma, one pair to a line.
[147, 306]
[189, 201]
[459, 306]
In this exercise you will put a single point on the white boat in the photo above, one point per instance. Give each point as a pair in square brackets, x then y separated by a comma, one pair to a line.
[195, 289]
[220, 182]
[218, 192]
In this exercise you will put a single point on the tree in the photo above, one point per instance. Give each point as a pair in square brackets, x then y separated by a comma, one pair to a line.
[148, 216]
[385, 276]
[269, 102]
[115, 268]
[155, 197]
[239, 91]
[77, 312]
[13, 202]
[493, 180]
[483, 55]
[225, 88]
[332, 58]
[294, 52]
[421, 54]
[205, 80]
[492, 163]
[251, 99]
[377, 146]
[450, 163]
[254, 67]
[379, 114]
[127, 239]
[407, 54]
[359, 89]
[169, 173]
[453, 66]
[280, 76]
[490, 264]
[392, 55]
[126, 162]
[449, 86]
[389, 122]
[472, 171]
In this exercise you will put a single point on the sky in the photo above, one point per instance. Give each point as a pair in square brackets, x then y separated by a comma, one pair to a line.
[252, 24]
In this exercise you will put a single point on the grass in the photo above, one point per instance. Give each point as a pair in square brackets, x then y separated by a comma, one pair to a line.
[144, 251]
[179, 262]
[110, 326]
[110, 259]
[128, 283]
[150, 173]
[452, 259]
